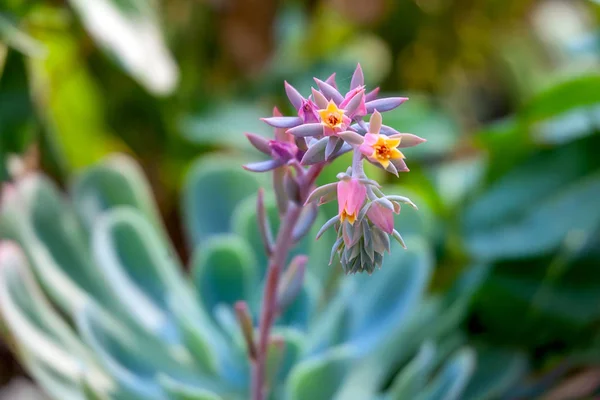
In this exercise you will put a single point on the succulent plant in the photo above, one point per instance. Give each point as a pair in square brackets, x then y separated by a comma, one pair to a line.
[97, 306]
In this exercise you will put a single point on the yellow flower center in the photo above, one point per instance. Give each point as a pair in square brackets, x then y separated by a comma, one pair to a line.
[385, 150]
[349, 217]
[332, 116]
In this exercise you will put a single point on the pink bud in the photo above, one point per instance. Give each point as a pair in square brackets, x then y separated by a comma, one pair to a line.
[382, 217]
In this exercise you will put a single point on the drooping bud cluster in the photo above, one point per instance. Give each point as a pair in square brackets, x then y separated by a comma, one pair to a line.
[329, 124]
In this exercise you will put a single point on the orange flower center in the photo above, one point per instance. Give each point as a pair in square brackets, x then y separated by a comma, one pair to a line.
[382, 151]
[333, 120]
[349, 217]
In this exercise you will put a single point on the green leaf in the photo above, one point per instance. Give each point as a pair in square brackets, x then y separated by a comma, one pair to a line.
[180, 391]
[212, 191]
[140, 266]
[70, 105]
[116, 181]
[19, 40]
[42, 334]
[413, 377]
[225, 124]
[497, 371]
[224, 271]
[452, 379]
[43, 224]
[320, 377]
[129, 31]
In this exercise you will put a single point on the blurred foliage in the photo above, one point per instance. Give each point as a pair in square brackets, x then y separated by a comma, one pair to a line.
[506, 92]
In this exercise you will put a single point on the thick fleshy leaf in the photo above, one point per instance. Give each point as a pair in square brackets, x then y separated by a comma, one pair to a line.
[224, 271]
[212, 191]
[451, 381]
[129, 30]
[259, 142]
[390, 295]
[318, 378]
[316, 152]
[385, 104]
[140, 266]
[295, 97]
[180, 391]
[497, 370]
[117, 181]
[48, 231]
[41, 332]
[315, 129]
[358, 78]
[329, 91]
[263, 166]
[282, 122]
[415, 375]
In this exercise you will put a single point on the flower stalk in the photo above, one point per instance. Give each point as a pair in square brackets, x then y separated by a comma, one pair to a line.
[328, 124]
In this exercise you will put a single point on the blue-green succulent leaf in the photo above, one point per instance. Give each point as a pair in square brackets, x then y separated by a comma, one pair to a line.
[117, 181]
[46, 228]
[319, 378]
[178, 391]
[452, 379]
[388, 297]
[212, 191]
[224, 271]
[497, 370]
[415, 375]
[140, 266]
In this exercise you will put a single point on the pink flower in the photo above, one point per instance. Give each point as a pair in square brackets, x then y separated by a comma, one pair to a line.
[351, 196]
[382, 217]
[361, 109]
[308, 111]
[333, 119]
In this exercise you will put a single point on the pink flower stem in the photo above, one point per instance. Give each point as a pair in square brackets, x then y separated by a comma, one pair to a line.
[270, 308]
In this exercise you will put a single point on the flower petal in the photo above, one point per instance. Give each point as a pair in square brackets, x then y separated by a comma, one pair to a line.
[371, 139]
[385, 104]
[382, 217]
[395, 153]
[366, 150]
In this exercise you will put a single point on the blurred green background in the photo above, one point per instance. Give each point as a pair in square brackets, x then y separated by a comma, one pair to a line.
[507, 93]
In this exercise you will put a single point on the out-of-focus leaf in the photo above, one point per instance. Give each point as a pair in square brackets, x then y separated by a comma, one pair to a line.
[452, 379]
[421, 117]
[224, 124]
[413, 377]
[129, 31]
[496, 371]
[318, 378]
[69, 102]
[224, 271]
[115, 182]
[530, 210]
[212, 191]
[11, 35]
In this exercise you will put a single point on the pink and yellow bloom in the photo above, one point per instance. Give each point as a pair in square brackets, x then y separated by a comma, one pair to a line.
[380, 148]
[333, 119]
[351, 197]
